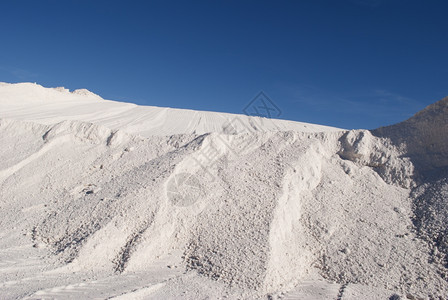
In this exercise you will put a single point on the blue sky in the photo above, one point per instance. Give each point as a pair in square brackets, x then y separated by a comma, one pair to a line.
[345, 63]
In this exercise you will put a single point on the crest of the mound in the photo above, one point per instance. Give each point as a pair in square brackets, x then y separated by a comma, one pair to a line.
[32, 102]
[438, 110]
[425, 136]
[31, 93]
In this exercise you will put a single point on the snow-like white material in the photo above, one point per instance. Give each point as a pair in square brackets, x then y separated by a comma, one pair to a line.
[95, 211]
[32, 102]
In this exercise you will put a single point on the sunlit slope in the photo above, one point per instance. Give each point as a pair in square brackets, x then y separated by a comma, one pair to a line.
[32, 102]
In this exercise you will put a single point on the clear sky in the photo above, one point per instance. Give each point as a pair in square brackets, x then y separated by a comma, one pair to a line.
[345, 63]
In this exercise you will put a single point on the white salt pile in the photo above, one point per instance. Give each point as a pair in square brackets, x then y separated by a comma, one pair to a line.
[101, 199]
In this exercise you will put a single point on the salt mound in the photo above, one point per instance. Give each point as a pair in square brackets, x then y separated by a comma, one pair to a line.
[87, 209]
[261, 231]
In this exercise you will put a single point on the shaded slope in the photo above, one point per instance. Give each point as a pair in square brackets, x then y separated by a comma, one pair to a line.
[425, 138]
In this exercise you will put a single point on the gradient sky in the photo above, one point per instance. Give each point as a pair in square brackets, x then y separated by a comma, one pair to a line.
[346, 63]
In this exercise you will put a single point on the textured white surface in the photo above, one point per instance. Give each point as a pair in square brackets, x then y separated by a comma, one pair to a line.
[91, 212]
